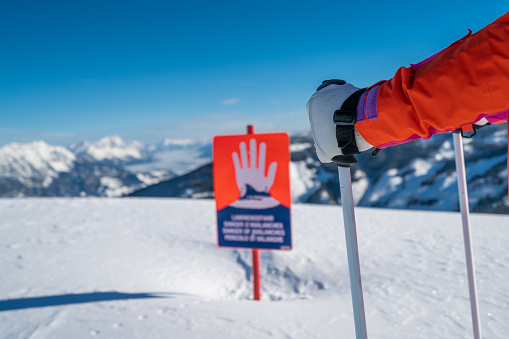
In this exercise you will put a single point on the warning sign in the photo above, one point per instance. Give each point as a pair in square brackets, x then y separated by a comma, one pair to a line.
[252, 190]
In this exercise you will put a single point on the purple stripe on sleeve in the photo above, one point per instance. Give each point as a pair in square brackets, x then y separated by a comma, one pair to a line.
[361, 107]
[495, 117]
[371, 108]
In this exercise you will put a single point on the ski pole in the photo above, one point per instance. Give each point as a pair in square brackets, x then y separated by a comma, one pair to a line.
[345, 183]
[465, 216]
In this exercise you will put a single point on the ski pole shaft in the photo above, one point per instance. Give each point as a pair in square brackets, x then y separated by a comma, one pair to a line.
[465, 216]
[345, 183]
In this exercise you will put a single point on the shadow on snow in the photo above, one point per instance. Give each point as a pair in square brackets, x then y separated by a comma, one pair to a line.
[69, 299]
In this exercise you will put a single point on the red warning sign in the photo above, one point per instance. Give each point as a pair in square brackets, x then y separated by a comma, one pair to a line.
[252, 190]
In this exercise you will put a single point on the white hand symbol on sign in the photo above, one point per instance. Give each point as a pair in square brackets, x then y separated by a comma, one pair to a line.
[250, 174]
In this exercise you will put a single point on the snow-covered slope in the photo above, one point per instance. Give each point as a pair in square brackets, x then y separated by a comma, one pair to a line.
[422, 174]
[97, 169]
[150, 268]
[34, 164]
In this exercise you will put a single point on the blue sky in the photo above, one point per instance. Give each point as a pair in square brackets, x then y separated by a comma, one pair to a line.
[148, 70]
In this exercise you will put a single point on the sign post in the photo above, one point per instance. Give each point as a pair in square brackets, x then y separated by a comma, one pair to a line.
[253, 200]
[257, 284]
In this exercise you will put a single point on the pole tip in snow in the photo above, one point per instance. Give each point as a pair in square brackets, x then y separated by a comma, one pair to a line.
[344, 160]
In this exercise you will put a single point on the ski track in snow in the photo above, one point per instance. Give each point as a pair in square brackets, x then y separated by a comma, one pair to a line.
[59, 252]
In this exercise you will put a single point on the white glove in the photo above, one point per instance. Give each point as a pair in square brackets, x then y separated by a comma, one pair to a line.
[321, 107]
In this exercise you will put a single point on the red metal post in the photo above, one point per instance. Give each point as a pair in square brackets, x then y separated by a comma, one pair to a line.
[257, 286]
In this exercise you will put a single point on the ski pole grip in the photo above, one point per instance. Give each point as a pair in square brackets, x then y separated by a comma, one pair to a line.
[344, 160]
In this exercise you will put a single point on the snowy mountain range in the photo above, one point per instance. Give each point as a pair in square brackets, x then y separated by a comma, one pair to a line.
[108, 167]
[416, 175]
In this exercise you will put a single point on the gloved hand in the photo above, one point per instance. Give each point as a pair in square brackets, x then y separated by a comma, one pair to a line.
[328, 98]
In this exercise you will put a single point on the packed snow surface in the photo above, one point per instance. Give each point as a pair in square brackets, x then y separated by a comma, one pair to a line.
[150, 268]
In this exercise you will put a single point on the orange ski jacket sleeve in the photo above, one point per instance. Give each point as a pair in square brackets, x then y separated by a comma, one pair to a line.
[457, 87]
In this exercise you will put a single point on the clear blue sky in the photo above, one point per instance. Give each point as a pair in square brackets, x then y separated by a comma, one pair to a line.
[147, 70]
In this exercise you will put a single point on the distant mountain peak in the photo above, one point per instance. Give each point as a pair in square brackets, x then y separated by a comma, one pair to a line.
[112, 140]
[111, 148]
